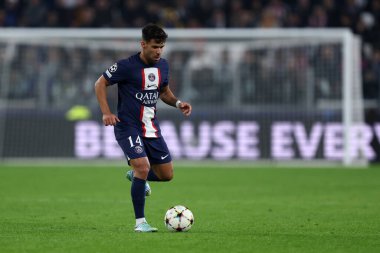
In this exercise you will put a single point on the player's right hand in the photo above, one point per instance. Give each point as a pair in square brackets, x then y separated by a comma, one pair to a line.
[110, 119]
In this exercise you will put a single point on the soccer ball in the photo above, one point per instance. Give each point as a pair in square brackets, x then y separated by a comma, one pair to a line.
[179, 218]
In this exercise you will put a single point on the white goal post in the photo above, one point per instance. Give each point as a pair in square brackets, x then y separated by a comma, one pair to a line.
[305, 75]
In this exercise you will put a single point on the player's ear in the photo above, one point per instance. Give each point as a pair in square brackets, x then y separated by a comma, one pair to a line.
[143, 44]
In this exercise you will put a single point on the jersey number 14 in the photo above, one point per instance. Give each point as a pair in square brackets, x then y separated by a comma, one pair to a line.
[138, 141]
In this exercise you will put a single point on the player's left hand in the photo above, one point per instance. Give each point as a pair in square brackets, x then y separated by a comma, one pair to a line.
[185, 108]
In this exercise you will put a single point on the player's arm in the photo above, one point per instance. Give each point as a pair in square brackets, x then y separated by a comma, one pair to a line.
[101, 93]
[168, 97]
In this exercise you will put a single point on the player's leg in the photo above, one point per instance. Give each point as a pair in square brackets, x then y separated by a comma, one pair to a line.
[157, 172]
[163, 172]
[141, 168]
[133, 149]
[129, 175]
[160, 159]
[151, 177]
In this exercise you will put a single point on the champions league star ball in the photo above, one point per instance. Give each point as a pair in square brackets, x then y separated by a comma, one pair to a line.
[179, 218]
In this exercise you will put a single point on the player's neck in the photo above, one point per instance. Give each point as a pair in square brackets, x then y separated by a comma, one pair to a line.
[143, 59]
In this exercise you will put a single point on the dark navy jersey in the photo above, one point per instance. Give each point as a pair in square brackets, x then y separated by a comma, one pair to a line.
[139, 87]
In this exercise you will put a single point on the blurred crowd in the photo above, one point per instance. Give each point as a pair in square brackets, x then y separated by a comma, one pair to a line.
[209, 73]
[361, 16]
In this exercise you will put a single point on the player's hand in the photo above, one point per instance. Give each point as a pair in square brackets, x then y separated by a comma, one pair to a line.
[110, 119]
[185, 108]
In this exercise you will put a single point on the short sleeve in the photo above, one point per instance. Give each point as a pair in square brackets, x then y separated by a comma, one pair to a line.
[116, 73]
[165, 77]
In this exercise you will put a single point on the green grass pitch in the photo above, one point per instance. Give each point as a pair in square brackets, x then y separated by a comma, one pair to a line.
[236, 209]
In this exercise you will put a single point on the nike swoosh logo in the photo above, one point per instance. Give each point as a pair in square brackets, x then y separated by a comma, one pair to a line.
[163, 157]
[151, 85]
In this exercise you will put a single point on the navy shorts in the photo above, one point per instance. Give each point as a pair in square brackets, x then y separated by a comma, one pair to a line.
[135, 146]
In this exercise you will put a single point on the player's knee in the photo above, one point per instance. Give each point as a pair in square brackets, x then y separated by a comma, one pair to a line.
[141, 169]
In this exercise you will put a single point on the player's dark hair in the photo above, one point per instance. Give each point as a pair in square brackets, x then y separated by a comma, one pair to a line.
[155, 32]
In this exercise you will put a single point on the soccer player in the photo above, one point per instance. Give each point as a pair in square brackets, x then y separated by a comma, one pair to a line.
[142, 79]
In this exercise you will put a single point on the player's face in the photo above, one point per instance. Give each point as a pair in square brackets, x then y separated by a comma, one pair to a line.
[152, 50]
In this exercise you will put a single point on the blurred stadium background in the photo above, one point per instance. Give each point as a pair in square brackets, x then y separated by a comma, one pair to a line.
[272, 86]
[282, 81]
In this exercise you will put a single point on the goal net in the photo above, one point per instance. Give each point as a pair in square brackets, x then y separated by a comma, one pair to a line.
[269, 95]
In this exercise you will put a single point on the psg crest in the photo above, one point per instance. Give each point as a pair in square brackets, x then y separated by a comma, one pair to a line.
[151, 77]
[138, 149]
